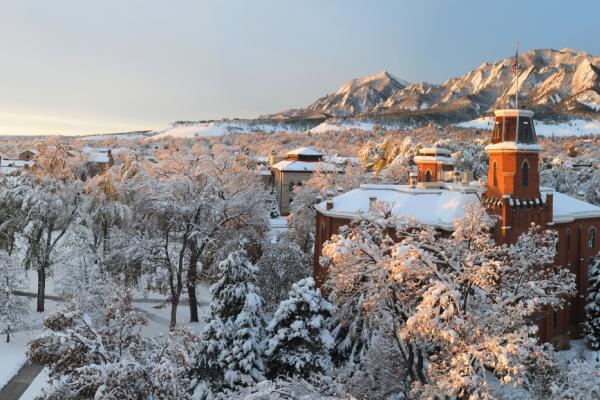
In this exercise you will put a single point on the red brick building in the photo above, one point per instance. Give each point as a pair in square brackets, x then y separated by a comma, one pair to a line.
[512, 192]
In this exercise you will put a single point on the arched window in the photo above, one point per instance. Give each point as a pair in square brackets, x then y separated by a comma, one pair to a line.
[525, 173]
[428, 176]
[495, 174]
[568, 238]
[592, 238]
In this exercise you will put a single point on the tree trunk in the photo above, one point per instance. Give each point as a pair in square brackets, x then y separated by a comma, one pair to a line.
[41, 293]
[174, 304]
[192, 278]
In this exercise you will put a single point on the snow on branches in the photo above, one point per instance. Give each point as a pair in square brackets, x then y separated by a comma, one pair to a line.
[458, 305]
[298, 341]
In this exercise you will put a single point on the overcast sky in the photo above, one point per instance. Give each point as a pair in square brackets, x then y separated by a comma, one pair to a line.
[74, 66]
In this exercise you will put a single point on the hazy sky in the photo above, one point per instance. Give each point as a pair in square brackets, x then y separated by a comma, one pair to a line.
[75, 66]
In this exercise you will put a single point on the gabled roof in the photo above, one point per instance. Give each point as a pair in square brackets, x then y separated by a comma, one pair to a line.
[304, 151]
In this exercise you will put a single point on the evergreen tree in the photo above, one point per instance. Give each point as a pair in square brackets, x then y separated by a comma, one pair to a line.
[13, 309]
[592, 308]
[274, 206]
[298, 341]
[230, 351]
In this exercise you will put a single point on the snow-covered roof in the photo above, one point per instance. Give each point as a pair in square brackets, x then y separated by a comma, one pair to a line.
[513, 146]
[98, 157]
[341, 159]
[566, 208]
[434, 151]
[88, 149]
[15, 162]
[8, 170]
[304, 151]
[302, 166]
[435, 159]
[432, 206]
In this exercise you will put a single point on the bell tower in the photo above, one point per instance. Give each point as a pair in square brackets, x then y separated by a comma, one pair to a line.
[513, 186]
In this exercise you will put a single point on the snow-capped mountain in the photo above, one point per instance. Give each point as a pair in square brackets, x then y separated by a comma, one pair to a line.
[563, 81]
[354, 97]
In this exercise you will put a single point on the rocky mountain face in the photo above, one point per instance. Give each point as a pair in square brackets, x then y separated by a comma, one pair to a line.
[563, 82]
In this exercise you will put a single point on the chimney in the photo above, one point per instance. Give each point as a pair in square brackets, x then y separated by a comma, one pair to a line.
[372, 200]
[329, 204]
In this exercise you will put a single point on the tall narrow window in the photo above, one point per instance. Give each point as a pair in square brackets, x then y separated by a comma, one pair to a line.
[495, 174]
[568, 235]
[592, 238]
[428, 176]
[525, 173]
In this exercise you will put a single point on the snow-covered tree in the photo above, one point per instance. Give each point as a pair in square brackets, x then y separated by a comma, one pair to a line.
[281, 264]
[50, 207]
[105, 208]
[459, 306]
[13, 309]
[579, 380]
[110, 358]
[377, 156]
[298, 341]
[592, 308]
[230, 353]
[190, 220]
[274, 207]
[82, 278]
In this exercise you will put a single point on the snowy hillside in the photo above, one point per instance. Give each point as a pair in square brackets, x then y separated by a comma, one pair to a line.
[575, 127]
[221, 128]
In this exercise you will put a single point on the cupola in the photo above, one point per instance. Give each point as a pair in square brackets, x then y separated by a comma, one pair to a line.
[514, 156]
[432, 162]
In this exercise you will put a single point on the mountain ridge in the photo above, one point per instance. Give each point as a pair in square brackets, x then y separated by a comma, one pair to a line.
[563, 82]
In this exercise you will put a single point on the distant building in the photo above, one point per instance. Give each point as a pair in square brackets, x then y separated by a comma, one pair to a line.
[437, 195]
[27, 155]
[294, 170]
[23, 162]
[96, 162]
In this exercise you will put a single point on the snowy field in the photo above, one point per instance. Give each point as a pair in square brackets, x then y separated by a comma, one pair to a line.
[576, 127]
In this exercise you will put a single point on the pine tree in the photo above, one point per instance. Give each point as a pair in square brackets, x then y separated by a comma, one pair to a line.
[592, 308]
[298, 341]
[231, 349]
[13, 309]
[274, 206]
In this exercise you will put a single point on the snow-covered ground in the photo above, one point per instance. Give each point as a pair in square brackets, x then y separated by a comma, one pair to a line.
[12, 355]
[218, 128]
[130, 135]
[576, 127]
[277, 225]
[336, 125]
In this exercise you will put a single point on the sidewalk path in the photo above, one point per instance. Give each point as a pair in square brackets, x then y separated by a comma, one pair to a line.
[19, 383]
